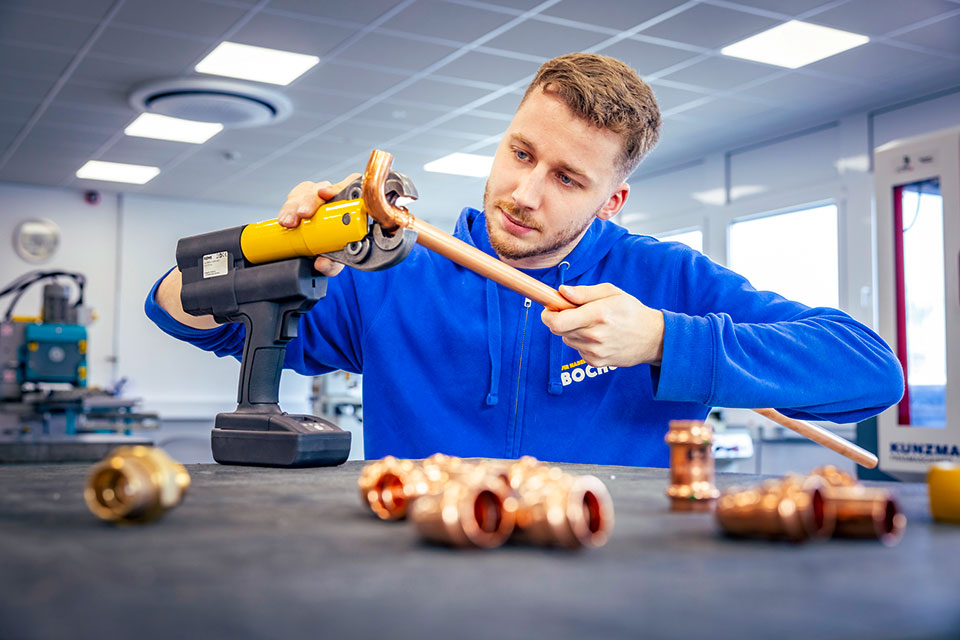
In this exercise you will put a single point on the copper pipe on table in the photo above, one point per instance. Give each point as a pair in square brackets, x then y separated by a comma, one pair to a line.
[391, 217]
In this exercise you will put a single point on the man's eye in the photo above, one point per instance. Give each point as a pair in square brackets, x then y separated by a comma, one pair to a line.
[521, 155]
[565, 179]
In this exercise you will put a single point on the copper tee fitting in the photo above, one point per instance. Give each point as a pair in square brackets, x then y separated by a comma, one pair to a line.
[135, 485]
[691, 466]
[562, 510]
[478, 511]
[793, 508]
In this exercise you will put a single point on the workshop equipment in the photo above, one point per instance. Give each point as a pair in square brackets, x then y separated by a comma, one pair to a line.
[262, 275]
[392, 217]
[135, 485]
[691, 466]
[47, 410]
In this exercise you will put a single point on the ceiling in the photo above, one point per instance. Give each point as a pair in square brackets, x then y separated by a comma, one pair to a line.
[425, 78]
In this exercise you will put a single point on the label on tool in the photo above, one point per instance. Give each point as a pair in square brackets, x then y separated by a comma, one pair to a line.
[215, 264]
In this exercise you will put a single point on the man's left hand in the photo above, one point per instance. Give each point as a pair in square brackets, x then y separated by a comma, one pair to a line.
[609, 327]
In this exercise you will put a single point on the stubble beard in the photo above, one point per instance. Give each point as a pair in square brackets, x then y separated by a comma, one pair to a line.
[512, 248]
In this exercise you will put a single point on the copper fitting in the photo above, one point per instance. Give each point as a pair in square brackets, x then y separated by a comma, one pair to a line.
[135, 484]
[793, 508]
[477, 511]
[866, 512]
[691, 466]
[834, 477]
[389, 485]
[562, 510]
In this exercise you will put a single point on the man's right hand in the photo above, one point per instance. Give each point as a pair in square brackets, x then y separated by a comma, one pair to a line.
[302, 202]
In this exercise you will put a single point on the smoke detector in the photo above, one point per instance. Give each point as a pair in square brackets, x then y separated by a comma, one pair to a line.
[231, 103]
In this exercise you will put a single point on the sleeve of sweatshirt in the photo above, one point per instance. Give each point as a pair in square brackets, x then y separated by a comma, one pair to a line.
[328, 335]
[728, 345]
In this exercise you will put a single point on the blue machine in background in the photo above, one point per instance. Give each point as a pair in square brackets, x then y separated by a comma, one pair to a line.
[47, 411]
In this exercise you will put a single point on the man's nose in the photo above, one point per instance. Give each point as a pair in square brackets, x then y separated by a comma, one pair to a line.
[529, 190]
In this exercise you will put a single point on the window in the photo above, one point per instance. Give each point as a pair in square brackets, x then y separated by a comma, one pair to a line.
[692, 238]
[792, 253]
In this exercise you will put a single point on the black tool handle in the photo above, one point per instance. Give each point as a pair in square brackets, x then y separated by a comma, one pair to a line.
[269, 326]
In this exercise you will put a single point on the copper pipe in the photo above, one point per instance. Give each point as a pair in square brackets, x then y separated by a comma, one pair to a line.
[691, 466]
[390, 217]
[793, 508]
[562, 510]
[135, 485]
[467, 512]
[866, 512]
[823, 437]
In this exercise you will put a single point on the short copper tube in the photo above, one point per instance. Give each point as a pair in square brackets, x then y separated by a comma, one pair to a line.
[791, 509]
[691, 466]
[861, 512]
[135, 485]
[482, 504]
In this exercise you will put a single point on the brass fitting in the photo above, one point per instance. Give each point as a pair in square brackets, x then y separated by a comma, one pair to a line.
[389, 485]
[135, 484]
[467, 512]
[691, 466]
[561, 510]
[862, 512]
[793, 508]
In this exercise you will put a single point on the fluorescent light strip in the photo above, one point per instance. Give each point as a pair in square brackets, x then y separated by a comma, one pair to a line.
[794, 44]
[245, 61]
[154, 125]
[462, 164]
[117, 172]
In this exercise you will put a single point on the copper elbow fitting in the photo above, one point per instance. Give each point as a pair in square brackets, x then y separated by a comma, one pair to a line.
[388, 486]
[135, 484]
[793, 508]
[467, 512]
[691, 466]
[561, 510]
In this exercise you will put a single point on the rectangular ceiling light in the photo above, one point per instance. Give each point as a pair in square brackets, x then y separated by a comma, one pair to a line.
[245, 61]
[794, 44]
[462, 164]
[117, 172]
[154, 125]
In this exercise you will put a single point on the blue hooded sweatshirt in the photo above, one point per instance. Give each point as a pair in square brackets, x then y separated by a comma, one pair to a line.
[456, 363]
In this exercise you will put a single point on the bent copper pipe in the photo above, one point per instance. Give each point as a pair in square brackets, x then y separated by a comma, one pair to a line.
[391, 217]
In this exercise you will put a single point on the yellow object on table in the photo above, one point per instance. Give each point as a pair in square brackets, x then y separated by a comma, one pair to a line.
[943, 481]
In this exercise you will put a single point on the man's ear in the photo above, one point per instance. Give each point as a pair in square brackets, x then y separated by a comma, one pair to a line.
[615, 202]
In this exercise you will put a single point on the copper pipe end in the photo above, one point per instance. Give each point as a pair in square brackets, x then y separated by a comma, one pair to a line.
[467, 513]
[866, 512]
[793, 508]
[375, 200]
[135, 485]
[389, 485]
[691, 466]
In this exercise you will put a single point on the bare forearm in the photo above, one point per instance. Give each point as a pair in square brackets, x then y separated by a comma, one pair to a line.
[168, 297]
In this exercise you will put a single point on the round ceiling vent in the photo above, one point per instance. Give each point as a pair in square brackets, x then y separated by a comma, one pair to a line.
[231, 103]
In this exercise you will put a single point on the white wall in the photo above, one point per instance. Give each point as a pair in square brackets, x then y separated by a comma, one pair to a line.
[829, 162]
[123, 244]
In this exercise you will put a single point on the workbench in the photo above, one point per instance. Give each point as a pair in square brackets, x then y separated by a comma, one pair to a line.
[277, 553]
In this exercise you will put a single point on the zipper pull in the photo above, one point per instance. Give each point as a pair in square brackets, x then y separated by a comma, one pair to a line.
[527, 302]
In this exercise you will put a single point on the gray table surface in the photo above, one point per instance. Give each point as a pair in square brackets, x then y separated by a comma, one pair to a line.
[258, 553]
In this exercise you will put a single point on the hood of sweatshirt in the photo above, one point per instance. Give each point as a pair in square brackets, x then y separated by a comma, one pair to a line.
[596, 243]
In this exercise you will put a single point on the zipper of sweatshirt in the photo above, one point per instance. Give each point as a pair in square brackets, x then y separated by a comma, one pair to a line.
[516, 404]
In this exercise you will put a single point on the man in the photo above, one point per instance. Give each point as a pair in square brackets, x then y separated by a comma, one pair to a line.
[453, 362]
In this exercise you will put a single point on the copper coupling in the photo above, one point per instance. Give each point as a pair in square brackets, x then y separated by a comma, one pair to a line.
[482, 504]
[691, 466]
[793, 508]
[827, 502]
[135, 485]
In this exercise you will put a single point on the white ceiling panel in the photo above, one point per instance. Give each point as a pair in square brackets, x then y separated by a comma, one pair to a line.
[874, 61]
[613, 14]
[54, 135]
[721, 74]
[787, 7]
[545, 40]
[291, 34]
[445, 20]
[88, 10]
[440, 93]
[356, 11]
[121, 73]
[401, 114]
[943, 35]
[35, 59]
[28, 27]
[489, 68]
[877, 17]
[483, 126]
[206, 19]
[671, 97]
[137, 47]
[16, 111]
[25, 86]
[647, 58]
[709, 26]
[391, 51]
[338, 76]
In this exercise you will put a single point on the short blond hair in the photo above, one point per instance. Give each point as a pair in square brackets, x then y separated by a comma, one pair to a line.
[609, 94]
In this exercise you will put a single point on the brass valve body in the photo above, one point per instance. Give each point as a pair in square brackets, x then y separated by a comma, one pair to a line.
[135, 484]
[691, 466]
